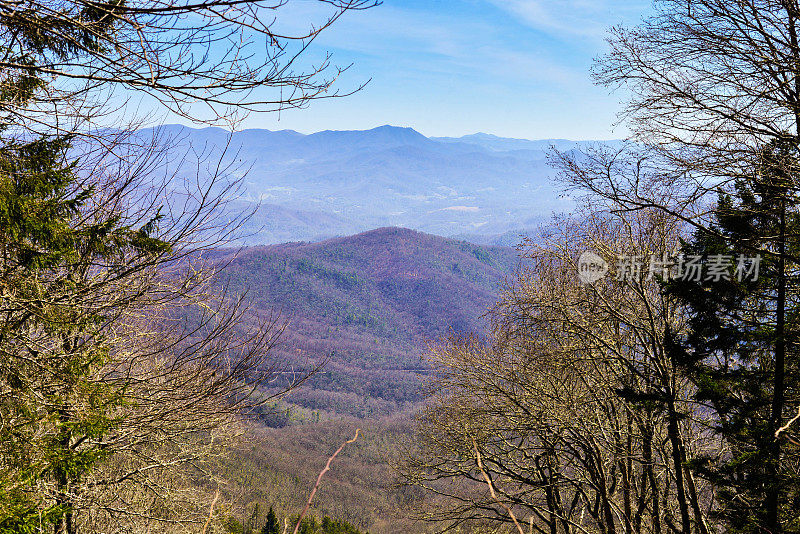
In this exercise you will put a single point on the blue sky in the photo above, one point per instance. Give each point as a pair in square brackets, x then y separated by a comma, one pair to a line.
[515, 68]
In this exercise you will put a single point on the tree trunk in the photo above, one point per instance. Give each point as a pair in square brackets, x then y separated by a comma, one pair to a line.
[773, 464]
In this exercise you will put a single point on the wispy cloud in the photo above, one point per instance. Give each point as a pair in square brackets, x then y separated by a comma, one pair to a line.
[440, 43]
[580, 18]
[449, 67]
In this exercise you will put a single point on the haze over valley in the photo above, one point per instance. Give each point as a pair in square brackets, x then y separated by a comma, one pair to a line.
[480, 187]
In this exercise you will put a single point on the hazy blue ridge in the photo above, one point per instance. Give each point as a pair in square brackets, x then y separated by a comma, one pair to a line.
[332, 183]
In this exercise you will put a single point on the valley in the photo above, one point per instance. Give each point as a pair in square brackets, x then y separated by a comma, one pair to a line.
[363, 308]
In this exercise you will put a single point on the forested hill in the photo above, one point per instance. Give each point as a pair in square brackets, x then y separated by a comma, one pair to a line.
[368, 304]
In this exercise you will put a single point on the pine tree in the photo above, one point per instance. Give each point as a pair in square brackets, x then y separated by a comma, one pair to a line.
[50, 341]
[740, 344]
[271, 526]
[42, 358]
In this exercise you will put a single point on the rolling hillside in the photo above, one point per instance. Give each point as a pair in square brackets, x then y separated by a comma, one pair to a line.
[366, 305]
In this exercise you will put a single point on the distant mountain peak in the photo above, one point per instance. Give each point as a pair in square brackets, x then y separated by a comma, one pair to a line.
[402, 132]
[391, 128]
[334, 183]
[385, 136]
[481, 135]
[386, 128]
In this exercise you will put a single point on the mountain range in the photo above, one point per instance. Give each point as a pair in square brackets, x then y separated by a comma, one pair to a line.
[334, 183]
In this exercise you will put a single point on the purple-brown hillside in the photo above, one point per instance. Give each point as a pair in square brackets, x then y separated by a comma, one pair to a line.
[369, 303]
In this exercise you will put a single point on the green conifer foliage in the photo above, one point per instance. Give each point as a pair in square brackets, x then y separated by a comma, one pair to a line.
[740, 346]
[53, 413]
[271, 526]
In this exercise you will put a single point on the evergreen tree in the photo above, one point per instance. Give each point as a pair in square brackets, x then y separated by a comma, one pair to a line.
[740, 344]
[45, 347]
[54, 414]
[81, 246]
[271, 526]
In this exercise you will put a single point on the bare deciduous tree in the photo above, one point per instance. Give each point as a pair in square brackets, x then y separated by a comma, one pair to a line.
[715, 110]
[581, 419]
[124, 367]
[205, 60]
